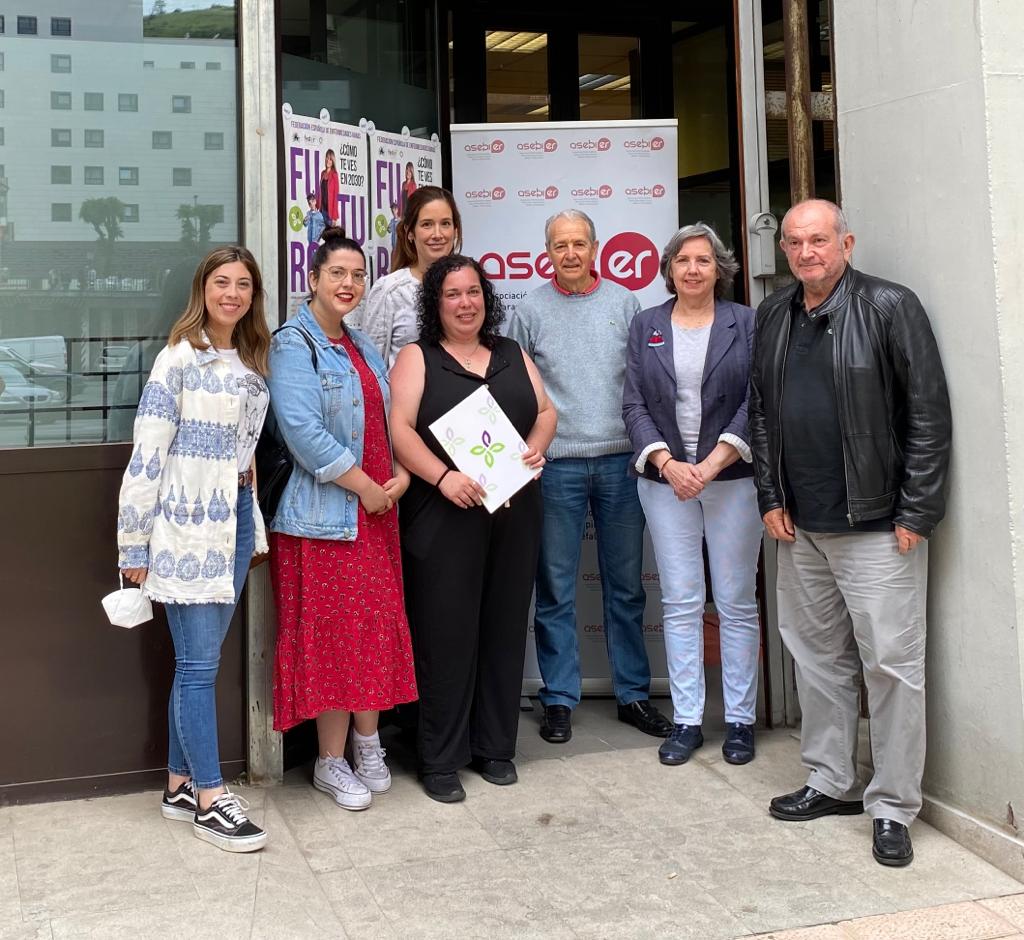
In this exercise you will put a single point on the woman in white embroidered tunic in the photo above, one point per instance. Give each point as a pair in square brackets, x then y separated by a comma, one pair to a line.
[196, 428]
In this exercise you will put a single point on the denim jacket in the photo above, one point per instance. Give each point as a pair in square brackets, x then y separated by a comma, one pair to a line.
[320, 416]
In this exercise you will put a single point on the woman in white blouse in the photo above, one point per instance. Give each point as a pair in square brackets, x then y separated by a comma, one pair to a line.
[430, 229]
[188, 525]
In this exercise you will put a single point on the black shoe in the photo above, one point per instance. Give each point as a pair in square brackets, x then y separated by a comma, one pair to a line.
[807, 803]
[444, 787]
[892, 845]
[226, 826]
[181, 804]
[642, 715]
[556, 725]
[681, 743]
[738, 747]
[499, 772]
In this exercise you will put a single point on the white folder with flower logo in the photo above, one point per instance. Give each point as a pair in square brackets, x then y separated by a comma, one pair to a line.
[484, 445]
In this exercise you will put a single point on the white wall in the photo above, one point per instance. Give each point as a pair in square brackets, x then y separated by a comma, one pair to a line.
[930, 132]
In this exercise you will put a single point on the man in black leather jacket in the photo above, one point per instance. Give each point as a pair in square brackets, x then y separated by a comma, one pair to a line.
[850, 432]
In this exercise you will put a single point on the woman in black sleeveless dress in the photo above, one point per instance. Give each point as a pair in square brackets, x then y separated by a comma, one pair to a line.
[468, 573]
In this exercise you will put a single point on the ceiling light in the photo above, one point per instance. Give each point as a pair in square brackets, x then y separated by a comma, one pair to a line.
[505, 41]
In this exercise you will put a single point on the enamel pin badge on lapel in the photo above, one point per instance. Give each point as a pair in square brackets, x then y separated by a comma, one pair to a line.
[656, 339]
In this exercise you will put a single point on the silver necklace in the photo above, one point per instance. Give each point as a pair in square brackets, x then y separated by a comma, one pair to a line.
[466, 361]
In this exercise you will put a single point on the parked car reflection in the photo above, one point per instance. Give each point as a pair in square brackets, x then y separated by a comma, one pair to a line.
[19, 392]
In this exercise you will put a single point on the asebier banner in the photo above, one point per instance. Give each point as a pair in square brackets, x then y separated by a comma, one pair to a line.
[399, 165]
[325, 174]
[508, 179]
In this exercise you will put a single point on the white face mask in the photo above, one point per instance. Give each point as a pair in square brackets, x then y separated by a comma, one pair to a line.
[127, 607]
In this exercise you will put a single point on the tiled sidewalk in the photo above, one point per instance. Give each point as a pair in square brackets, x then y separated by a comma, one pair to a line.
[597, 840]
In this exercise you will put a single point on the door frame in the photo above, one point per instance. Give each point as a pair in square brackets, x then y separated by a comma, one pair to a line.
[780, 694]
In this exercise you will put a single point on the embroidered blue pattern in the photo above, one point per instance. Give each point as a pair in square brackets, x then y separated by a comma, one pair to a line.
[129, 519]
[217, 510]
[168, 504]
[135, 556]
[174, 382]
[215, 565]
[153, 467]
[190, 377]
[158, 401]
[198, 513]
[204, 439]
[181, 513]
[163, 564]
[188, 567]
[135, 467]
[211, 383]
[230, 384]
[146, 523]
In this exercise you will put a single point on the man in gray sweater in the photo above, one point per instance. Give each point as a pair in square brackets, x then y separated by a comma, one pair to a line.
[575, 329]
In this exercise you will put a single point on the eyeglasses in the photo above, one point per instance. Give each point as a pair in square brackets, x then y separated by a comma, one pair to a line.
[337, 275]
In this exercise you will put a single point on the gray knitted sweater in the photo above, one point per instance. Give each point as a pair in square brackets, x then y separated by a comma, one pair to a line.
[578, 342]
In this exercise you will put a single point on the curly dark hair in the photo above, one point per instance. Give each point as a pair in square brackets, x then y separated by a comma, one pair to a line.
[430, 300]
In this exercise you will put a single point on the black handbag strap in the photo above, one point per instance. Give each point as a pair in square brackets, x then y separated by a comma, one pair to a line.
[310, 342]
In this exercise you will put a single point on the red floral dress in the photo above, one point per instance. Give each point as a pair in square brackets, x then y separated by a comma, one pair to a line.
[342, 636]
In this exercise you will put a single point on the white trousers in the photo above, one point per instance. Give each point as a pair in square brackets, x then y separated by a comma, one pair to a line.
[847, 600]
[725, 515]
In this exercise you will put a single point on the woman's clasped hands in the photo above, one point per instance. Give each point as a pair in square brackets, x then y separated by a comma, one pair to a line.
[685, 479]
[377, 499]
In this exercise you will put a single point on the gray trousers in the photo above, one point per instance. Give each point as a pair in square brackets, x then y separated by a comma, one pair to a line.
[847, 600]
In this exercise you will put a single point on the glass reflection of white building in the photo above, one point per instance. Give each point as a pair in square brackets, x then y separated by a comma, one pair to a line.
[111, 114]
[118, 171]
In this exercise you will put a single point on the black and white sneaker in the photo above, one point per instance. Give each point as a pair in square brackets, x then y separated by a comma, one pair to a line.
[226, 826]
[179, 804]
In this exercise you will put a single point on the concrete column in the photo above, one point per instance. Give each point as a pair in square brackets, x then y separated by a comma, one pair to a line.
[262, 226]
[931, 125]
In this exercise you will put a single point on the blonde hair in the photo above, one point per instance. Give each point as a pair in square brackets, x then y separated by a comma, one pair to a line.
[251, 335]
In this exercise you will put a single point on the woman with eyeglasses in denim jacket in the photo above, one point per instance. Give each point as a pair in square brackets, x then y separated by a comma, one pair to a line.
[343, 646]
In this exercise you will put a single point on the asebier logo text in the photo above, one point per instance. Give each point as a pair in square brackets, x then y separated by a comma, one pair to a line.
[601, 145]
[656, 191]
[538, 146]
[592, 192]
[630, 259]
[496, 194]
[645, 143]
[537, 192]
[493, 146]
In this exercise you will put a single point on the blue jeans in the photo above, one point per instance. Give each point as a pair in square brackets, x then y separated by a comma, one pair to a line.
[198, 630]
[569, 486]
[725, 515]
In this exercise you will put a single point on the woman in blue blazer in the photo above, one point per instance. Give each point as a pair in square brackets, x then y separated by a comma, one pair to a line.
[685, 408]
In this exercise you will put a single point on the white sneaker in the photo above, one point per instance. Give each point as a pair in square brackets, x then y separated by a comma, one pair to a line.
[333, 775]
[368, 763]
